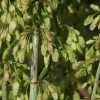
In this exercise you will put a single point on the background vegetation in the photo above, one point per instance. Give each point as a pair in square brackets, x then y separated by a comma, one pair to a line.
[68, 51]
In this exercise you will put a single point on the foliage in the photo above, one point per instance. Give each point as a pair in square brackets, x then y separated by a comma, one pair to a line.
[67, 52]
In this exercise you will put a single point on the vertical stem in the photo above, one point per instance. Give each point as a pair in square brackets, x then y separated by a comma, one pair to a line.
[4, 85]
[96, 83]
[34, 66]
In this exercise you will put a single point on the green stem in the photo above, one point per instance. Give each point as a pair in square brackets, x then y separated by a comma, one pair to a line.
[34, 66]
[96, 83]
[4, 85]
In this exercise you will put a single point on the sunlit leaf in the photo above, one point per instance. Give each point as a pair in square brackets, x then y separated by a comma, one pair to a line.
[81, 41]
[90, 41]
[84, 85]
[95, 7]
[73, 45]
[8, 37]
[88, 20]
[12, 26]
[55, 55]
[47, 60]
[15, 87]
[54, 95]
[79, 48]
[43, 50]
[90, 53]
[89, 89]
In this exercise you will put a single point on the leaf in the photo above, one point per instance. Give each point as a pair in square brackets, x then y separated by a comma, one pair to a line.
[88, 20]
[76, 96]
[43, 50]
[73, 45]
[9, 18]
[15, 49]
[15, 88]
[97, 45]
[51, 89]
[47, 60]
[54, 95]
[95, 7]
[23, 43]
[69, 40]
[4, 5]
[89, 69]
[8, 37]
[17, 34]
[89, 89]
[79, 48]
[81, 41]
[70, 9]
[12, 26]
[90, 41]
[99, 25]
[11, 8]
[20, 21]
[3, 18]
[21, 55]
[95, 21]
[39, 96]
[6, 54]
[45, 96]
[76, 32]
[55, 55]
[84, 85]
[89, 53]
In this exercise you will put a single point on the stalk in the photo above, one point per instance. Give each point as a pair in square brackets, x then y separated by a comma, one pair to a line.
[34, 67]
[96, 83]
[4, 85]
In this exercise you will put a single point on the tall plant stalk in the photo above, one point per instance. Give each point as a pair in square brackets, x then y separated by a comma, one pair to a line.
[4, 85]
[96, 82]
[34, 67]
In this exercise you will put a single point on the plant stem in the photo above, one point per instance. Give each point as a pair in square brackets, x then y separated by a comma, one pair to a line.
[96, 82]
[4, 85]
[34, 66]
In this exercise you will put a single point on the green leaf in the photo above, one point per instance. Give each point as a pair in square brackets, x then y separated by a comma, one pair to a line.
[6, 53]
[15, 88]
[81, 41]
[12, 26]
[47, 60]
[89, 69]
[95, 21]
[76, 96]
[95, 7]
[73, 45]
[51, 89]
[20, 21]
[11, 8]
[90, 41]
[84, 85]
[90, 89]
[55, 55]
[79, 48]
[70, 9]
[45, 96]
[43, 50]
[8, 37]
[3, 18]
[54, 95]
[15, 49]
[89, 53]
[88, 20]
